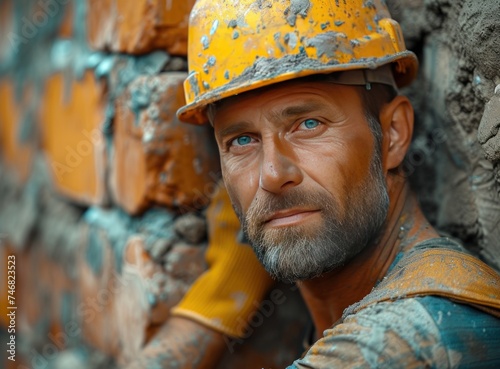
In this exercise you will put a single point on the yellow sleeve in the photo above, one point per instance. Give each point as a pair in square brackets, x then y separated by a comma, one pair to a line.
[229, 292]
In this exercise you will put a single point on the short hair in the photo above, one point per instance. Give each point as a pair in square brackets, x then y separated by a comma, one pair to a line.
[373, 99]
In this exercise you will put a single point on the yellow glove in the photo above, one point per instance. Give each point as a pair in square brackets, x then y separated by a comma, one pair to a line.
[229, 292]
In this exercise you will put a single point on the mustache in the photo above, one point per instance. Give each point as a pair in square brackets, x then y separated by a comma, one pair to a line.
[267, 204]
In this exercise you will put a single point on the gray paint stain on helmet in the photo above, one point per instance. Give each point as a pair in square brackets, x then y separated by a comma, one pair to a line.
[297, 7]
[328, 43]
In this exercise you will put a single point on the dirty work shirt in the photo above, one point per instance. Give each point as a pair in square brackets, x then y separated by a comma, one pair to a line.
[417, 332]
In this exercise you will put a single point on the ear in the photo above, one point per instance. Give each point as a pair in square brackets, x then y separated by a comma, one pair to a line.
[396, 118]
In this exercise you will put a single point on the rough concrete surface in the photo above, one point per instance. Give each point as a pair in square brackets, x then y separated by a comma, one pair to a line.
[455, 171]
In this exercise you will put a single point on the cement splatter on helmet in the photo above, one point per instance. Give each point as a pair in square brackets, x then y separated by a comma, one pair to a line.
[241, 45]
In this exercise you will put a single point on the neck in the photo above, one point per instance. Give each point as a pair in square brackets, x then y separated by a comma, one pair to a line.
[328, 295]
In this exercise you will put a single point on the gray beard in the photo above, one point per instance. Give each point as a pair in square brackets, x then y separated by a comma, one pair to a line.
[296, 253]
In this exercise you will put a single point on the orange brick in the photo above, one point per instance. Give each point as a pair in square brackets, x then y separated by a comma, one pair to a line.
[166, 287]
[140, 26]
[157, 159]
[72, 139]
[16, 154]
[114, 306]
[132, 304]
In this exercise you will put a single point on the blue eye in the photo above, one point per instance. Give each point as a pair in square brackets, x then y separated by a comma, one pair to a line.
[242, 140]
[310, 123]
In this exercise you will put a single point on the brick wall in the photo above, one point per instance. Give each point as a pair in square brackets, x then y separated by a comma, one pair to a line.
[92, 191]
[102, 189]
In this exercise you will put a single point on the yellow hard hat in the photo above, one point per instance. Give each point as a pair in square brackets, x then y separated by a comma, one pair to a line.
[241, 45]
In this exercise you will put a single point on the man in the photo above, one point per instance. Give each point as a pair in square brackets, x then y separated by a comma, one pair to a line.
[312, 135]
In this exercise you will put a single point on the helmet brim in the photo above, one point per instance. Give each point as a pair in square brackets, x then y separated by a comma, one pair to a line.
[266, 72]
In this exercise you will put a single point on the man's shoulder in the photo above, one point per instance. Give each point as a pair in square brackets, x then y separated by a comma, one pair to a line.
[392, 335]
[438, 243]
[438, 267]
[447, 331]
[424, 313]
[427, 331]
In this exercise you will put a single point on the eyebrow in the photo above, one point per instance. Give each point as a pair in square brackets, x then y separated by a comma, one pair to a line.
[233, 128]
[295, 111]
[288, 112]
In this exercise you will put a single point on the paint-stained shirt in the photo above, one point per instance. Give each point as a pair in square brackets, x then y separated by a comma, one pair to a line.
[412, 332]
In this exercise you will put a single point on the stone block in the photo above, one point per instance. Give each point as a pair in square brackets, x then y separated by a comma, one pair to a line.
[162, 286]
[134, 299]
[184, 264]
[191, 227]
[72, 113]
[157, 159]
[138, 27]
[16, 147]
[123, 290]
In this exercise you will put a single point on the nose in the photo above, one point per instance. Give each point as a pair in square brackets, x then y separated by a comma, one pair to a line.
[278, 170]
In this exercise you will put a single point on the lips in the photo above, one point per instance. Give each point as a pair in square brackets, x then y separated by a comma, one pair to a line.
[289, 217]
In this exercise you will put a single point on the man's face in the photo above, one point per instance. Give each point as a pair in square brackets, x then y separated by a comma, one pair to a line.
[304, 173]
